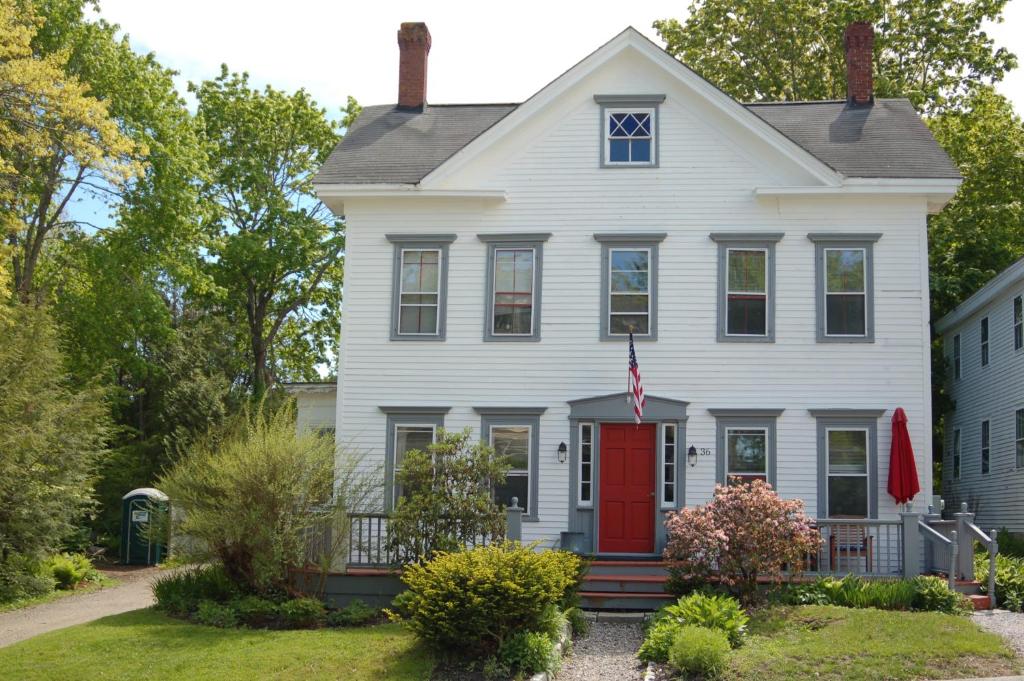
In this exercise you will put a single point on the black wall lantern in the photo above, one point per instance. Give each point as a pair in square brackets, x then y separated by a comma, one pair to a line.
[562, 451]
[691, 456]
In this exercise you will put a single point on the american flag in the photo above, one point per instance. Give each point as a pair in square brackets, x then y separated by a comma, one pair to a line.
[636, 385]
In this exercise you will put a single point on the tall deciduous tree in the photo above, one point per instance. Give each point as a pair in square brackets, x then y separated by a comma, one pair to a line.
[931, 52]
[275, 250]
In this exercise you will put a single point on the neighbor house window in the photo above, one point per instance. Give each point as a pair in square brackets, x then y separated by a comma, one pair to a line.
[984, 342]
[746, 445]
[985, 446]
[956, 453]
[847, 452]
[408, 428]
[629, 128]
[513, 286]
[586, 481]
[845, 289]
[670, 452]
[629, 285]
[956, 356]
[419, 286]
[514, 434]
[1018, 322]
[1019, 436]
[746, 279]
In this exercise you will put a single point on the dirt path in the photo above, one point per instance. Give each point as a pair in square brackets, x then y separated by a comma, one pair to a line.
[131, 594]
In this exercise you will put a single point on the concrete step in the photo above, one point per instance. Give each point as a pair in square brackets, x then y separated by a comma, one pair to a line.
[617, 600]
[628, 567]
[626, 583]
[980, 602]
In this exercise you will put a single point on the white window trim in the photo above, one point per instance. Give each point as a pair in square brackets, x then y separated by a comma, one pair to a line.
[984, 350]
[607, 127]
[395, 493]
[867, 464]
[826, 294]
[983, 448]
[529, 458]
[436, 306]
[533, 291]
[580, 501]
[663, 481]
[767, 452]
[608, 322]
[767, 294]
[957, 461]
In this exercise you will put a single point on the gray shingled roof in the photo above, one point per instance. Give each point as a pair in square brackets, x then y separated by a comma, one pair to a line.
[392, 146]
[887, 139]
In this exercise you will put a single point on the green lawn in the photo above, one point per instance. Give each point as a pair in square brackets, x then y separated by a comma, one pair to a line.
[825, 642]
[145, 644]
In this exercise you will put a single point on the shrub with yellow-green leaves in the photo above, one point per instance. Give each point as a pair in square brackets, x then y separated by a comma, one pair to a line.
[471, 602]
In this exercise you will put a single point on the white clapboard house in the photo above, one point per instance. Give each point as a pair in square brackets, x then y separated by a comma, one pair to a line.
[771, 260]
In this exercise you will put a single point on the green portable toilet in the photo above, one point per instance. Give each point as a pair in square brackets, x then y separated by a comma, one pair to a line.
[137, 508]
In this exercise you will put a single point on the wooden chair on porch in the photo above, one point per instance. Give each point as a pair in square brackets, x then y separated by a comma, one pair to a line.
[849, 541]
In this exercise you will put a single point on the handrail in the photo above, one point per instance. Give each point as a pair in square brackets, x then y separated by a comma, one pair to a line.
[932, 535]
[978, 533]
[820, 522]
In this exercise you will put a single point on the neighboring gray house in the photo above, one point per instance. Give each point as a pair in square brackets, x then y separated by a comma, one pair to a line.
[983, 452]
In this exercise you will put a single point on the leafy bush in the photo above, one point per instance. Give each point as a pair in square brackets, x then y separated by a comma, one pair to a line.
[710, 611]
[355, 614]
[472, 601]
[216, 615]
[1009, 579]
[1010, 544]
[20, 578]
[180, 593]
[744, 532]
[303, 613]
[447, 497]
[699, 651]
[529, 652]
[919, 593]
[70, 569]
[933, 594]
[254, 611]
[579, 624]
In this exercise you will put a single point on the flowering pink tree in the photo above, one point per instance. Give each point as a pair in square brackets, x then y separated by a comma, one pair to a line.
[744, 532]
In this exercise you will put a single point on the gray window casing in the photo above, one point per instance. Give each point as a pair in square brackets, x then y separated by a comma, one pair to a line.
[866, 419]
[746, 418]
[823, 240]
[626, 240]
[534, 240]
[613, 408]
[618, 101]
[518, 416]
[740, 240]
[404, 415]
[425, 241]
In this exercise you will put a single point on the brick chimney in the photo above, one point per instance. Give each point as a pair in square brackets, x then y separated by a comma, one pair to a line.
[859, 41]
[413, 46]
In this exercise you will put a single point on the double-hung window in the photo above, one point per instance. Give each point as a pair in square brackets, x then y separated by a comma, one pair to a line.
[419, 286]
[746, 445]
[408, 429]
[844, 270]
[1018, 323]
[513, 286]
[629, 285]
[847, 462]
[956, 453]
[746, 279]
[514, 434]
[669, 461]
[629, 128]
[1019, 437]
[586, 464]
[956, 357]
[984, 342]
[985, 446]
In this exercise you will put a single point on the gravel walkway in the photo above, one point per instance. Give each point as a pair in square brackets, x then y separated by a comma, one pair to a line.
[131, 594]
[1009, 625]
[607, 652]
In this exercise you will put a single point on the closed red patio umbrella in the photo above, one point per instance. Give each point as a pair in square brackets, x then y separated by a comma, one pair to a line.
[903, 484]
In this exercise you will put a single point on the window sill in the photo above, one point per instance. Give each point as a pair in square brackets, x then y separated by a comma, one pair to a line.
[420, 339]
[724, 338]
[606, 338]
[511, 339]
[846, 339]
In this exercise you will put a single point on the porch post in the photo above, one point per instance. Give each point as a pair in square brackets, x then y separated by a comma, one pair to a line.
[912, 544]
[514, 521]
[965, 566]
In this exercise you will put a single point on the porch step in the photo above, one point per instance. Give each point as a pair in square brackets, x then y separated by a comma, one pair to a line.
[980, 602]
[625, 583]
[629, 567]
[968, 587]
[618, 600]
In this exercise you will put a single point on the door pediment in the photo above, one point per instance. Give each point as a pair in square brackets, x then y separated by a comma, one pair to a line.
[614, 407]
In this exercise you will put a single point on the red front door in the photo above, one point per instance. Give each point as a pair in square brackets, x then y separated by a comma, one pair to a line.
[626, 521]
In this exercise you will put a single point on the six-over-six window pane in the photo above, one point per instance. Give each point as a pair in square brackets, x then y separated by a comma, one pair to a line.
[629, 295]
[513, 292]
[747, 292]
[845, 292]
[419, 296]
[847, 452]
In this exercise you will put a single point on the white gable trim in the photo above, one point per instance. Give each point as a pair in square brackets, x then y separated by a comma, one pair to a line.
[633, 38]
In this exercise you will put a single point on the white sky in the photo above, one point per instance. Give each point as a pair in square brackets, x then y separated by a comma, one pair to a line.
[482, 51]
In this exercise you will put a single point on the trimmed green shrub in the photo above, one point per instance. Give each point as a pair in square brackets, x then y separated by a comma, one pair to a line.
[529, 652]
[216, 615]
[303, 613]
[1009, 579]
[179, 593]
[710, 611]
[472, 601]
[70, 569]
[254, 611]
[355, 614]
[699, 651]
